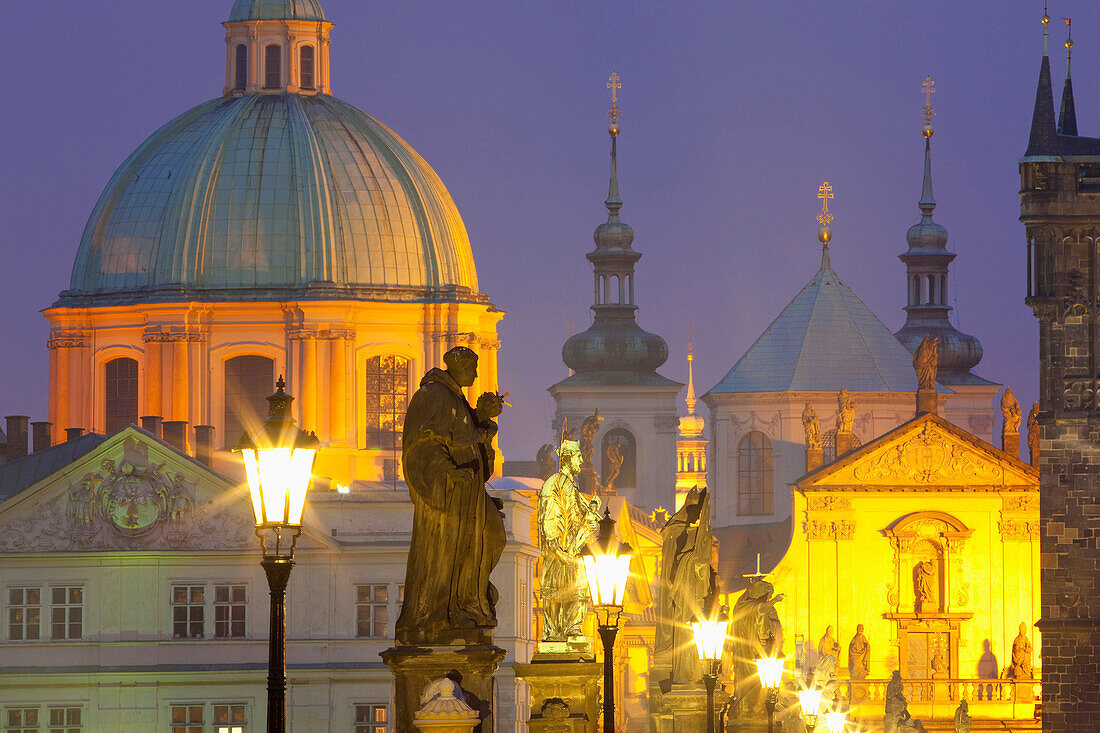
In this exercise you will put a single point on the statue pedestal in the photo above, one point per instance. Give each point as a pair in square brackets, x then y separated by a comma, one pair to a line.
[684, 710]
[415, 667]
[564, 689]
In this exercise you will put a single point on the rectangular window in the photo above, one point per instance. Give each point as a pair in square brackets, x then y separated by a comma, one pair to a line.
[371, 611]
[67, 612]
[387, 396]
[229, 719]
[273, 73]
[372, 718]
[187, 719]
[21, 720]
[306, 66]
[24, 614]
[188, 607]
[229, 611]
[64, 720]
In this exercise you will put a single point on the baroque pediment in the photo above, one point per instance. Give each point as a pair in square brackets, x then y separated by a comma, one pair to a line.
[133, 492]
[925, 452]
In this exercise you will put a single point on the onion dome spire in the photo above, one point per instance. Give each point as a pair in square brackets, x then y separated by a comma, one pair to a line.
[1067, 115]
[691, 425]
[926, 276]
[614, 348]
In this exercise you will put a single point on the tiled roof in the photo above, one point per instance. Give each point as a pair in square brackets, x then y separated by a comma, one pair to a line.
[24, 472]
[825, 339]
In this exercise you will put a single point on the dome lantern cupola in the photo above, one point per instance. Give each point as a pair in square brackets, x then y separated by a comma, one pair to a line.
[277, 46]
[926, 281]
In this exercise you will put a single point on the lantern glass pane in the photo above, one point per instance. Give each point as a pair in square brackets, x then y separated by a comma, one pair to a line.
[301, 470]
[592, 572]
[810, 700]
[275, 472]
[836, 721]
[252, 475]
[622, 575]
[710, 638]
[771, 672]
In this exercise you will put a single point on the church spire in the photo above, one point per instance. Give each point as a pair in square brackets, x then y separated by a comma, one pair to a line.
[1044, 133]
[614, 203]
[689, 399]
[1067, 115]
[927, 278]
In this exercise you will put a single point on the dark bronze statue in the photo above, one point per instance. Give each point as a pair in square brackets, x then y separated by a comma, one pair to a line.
[458, 529]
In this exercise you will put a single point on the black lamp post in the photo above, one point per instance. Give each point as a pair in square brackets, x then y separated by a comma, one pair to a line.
[278, 464]
[771, 679]
[607, 565]
[710, 639]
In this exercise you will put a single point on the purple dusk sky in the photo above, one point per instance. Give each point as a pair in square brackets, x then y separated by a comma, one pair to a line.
[733, 114]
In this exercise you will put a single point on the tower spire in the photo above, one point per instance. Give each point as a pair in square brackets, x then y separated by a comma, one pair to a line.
[1044, 131]
[689, 399]
[1067, 115]
[824, 233]
[614, 203]
[927, 200]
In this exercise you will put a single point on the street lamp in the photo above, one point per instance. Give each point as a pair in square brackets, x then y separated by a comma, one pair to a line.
[836, 721]
[810, 701]
[278, 465]
[770, 670]
[607, 565]
[710, 639]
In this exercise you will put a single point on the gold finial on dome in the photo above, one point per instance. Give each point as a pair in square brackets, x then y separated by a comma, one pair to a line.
[927, 88]
[824, 233]
[1069, 37]
[613, 83]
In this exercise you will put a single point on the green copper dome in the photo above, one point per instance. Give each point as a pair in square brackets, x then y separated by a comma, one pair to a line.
[276, 10]
[258, 195]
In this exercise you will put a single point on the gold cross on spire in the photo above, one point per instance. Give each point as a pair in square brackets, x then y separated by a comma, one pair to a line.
[825, 192]
[928, 88]
[614, 85]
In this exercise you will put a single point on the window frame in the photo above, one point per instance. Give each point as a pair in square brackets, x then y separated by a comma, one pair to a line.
[240, 67]
[375, 412]
[24, 624]
[312, 85]
[66, 725]
[117, 419]
[67, 608]
[230, 605]
[188, 606]
[755, 484]
[372, 605]
[371, 725]
[273, 59]
[23, 725]
[233, 425]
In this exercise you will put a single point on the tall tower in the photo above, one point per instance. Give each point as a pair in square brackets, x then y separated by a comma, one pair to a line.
[927, 310]
[1060, 209]
[691, 446]
[615, 364]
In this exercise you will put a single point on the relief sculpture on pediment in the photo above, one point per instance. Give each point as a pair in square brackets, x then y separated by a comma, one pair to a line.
[131, 502]
[928, 457]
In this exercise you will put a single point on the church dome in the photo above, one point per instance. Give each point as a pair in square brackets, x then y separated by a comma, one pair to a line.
[276, 10]
[272, 193]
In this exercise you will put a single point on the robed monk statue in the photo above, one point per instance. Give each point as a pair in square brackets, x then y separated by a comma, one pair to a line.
[458, 529]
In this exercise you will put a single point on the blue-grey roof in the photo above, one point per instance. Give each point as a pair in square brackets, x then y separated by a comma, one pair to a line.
[825, 339]
[270, 191]
[276, 10]
[24, 472]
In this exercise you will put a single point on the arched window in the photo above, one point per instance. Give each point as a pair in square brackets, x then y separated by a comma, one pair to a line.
[914, 298]
[943, 289]
[387, 397]
[249, 380]
[273, 67]
[241, 67]
[932, 290]
[120, 395]
[305, 66]
[619, 444]
[754, 475]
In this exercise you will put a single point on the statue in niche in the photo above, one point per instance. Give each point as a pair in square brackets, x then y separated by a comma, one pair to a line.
[811, 427]
[613, 464]
[846, 411]
[686, 579]
[926, 362]
[828, 645]
[1010, 412]
[941, 667]
[757, 632]
[567, 519]
[962, 718]
[1033, 434]
[1021, 655]
[924, 585]
[458, 529]
[859, 656]
[588, 479]
[547, 458]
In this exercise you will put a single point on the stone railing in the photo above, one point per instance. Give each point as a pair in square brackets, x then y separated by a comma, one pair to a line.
[937, 699]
